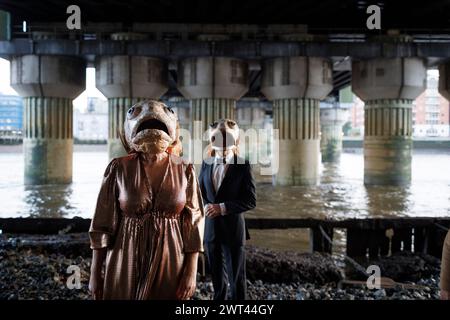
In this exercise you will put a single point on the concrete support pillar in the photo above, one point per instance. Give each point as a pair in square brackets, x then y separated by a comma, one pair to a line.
[212, 84]
[251, 116]
[181, 106]
[387, 142]
[298, 123]
[388, 88]
[444, 80]
[251, 113]
[295, 85]
[209, 110]
[5, 25]
[331, 121]
[48, 85]
[117, 110]
[125, 80]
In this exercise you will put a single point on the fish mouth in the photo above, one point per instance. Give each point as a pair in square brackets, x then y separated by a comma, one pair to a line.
[222, 139]
[154, 124]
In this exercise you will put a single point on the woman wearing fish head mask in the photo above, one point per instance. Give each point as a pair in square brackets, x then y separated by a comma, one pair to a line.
[147, 229]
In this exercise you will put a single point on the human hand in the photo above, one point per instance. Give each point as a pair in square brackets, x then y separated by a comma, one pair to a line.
[188, 283]
[445, 295]
[212, 210]
[96, 285]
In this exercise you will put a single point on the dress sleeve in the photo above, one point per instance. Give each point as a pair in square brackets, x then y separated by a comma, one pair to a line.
[193, 219]
[107, 213]
[445, 268]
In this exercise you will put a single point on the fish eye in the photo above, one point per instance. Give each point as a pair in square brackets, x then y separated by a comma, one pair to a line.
[133, 111]
[167, 108]
[170, 109]
[231, 123]
[214, 124]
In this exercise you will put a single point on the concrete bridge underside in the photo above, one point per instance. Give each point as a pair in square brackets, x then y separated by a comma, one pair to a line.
[214, 72]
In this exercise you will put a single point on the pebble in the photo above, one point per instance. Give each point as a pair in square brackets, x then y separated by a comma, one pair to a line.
[33, 274]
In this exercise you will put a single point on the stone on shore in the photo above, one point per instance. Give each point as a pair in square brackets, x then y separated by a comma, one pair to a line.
[36, 267]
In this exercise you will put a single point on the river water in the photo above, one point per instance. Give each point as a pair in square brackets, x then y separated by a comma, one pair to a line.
[340, 194]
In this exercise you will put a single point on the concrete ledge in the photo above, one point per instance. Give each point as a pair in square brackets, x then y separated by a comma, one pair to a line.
[242, 49]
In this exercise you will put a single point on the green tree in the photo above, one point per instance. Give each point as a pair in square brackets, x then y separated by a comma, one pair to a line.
[347, 128]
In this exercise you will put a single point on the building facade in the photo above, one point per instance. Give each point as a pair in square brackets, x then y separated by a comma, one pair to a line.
[431, 111]
[11, 113]
[91, 125]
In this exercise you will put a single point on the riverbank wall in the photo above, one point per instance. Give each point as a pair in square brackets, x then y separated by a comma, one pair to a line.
[435, 144]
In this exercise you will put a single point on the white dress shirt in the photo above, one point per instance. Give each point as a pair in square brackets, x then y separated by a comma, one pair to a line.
[218, 173]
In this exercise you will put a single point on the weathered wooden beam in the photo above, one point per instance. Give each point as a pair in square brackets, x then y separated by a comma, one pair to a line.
[384, 242]
[388, 223]
[254, 223]
[321, 238]
[53, 225]
[44, 225]
[436, 237]
[357, 242]
[363, 235]
[378, 243]
[420, 239]
[402, 240]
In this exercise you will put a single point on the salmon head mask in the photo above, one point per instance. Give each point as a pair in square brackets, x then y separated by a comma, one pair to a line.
[150, 126]
[224, 135]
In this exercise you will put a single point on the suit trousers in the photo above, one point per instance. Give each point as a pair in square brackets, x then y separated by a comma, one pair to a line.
[227, 264]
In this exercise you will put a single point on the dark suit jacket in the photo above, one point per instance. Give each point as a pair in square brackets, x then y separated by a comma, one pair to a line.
[237, 192]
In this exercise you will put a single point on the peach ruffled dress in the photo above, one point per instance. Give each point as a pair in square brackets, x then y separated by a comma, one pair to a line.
[146, 233]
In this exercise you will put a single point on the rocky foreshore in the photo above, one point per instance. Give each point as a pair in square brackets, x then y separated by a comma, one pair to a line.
[35, 267]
